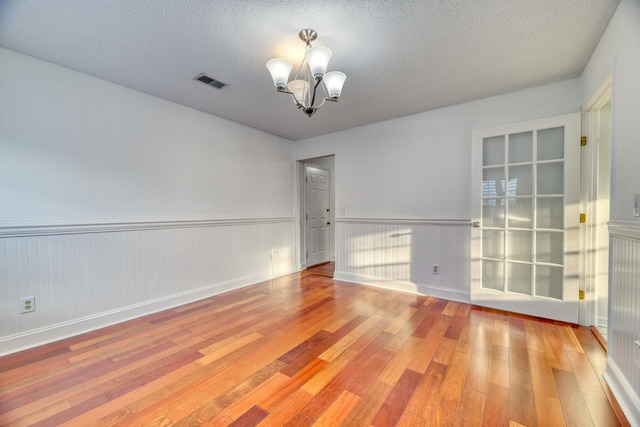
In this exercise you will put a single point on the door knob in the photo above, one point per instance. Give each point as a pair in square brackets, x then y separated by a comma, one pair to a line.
[475, 224]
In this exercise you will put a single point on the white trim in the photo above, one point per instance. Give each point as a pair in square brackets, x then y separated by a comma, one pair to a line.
[78, 226]
[623, 392]
[590, 199]
[404, 286]
[446, 293]
[429, 221]
[21, 341]
[588, 307]
[625, 228]
[602, 94]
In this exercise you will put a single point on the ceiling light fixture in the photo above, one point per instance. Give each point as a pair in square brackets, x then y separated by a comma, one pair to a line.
[311, 74]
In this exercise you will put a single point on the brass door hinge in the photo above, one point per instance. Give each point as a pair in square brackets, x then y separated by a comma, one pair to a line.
[583, 218]
[581, 295]
[583, 141]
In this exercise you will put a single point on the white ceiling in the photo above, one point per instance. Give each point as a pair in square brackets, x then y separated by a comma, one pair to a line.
[400, 57]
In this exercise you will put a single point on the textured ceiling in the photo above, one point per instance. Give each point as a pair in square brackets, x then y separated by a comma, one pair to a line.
[400, 57]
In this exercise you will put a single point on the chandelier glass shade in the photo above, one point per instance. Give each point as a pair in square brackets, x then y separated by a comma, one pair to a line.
[311, 75]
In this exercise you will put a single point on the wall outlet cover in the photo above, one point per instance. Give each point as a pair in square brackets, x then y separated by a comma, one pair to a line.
[27, 304]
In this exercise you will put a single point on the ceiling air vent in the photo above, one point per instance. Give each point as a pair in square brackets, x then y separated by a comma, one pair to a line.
[202, 77]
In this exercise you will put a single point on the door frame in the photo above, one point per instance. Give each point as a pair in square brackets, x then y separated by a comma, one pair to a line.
[326, 163]
[589, 199]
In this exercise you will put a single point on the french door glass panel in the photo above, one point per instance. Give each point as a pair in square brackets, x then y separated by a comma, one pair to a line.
[550, 177]
[519, 277]
[520, 248]
[521, 147]
[550, 212]
[520, 212]
[550, 144]
[492, 275]
[493, 151]
[493, 212]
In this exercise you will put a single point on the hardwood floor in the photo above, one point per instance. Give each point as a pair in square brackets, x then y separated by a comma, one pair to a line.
[305, 350]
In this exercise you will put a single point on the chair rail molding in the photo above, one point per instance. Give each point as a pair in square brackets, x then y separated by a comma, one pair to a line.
[100, 225]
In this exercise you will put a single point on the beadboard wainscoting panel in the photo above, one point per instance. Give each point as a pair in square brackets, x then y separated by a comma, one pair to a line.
[623, 337]
[103, 275]
[400, 254]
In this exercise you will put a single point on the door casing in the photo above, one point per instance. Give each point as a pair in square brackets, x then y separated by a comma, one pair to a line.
[594, 205]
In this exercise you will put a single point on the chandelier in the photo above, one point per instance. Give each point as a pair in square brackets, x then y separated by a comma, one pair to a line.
[311, 74]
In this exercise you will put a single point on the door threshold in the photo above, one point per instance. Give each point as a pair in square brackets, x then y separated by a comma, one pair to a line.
[323, 269]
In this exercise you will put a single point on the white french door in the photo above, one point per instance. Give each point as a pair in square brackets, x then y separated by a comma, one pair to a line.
[525, 210]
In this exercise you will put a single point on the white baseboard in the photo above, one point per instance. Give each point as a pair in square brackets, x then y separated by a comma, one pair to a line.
[405, 286]
[603, 322]
[22, 341]
[446, 293]
[627, 399]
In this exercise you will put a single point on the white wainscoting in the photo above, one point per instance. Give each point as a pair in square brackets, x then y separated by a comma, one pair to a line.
[89, 275]
[623, 355]
[399, 254]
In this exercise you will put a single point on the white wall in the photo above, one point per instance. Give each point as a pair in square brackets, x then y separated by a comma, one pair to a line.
[114, 204]
[618, 55]
[396, 180]
[76, 147]
[419, 166]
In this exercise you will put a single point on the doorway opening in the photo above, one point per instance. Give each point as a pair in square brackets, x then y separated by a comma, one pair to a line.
[317, 212]
[595, 189]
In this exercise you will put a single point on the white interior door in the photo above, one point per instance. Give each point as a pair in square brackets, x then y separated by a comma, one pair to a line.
[525, 205]
[317, 215]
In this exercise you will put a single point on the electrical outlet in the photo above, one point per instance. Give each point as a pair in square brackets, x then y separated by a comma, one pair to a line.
[435, 269]
[27, 304]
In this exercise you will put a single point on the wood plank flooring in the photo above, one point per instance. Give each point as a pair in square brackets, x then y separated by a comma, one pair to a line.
[304, 350]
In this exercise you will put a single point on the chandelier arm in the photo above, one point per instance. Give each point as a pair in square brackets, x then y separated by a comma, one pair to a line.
[315, 88]
[298, 104]
[299, 69]
[321, 104]
[324, 89]
[325, 100]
